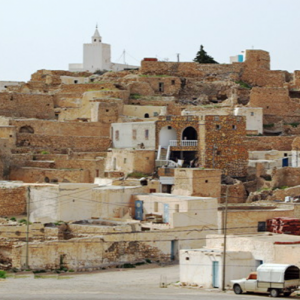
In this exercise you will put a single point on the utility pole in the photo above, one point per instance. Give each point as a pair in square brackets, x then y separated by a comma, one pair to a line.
[178, 57]
[225, 240]
[27, 228]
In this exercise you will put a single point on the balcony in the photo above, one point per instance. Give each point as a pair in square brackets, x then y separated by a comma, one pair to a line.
[184, 143]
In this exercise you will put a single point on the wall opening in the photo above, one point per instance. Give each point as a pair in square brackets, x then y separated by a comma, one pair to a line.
[189, 133]
[146, 115]
[161, 87]
[26, 129]
[167, 134]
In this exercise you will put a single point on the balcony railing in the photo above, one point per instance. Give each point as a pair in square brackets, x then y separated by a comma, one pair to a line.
[184, 143]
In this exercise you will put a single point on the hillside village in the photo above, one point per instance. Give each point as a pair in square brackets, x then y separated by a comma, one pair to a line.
[100, 170]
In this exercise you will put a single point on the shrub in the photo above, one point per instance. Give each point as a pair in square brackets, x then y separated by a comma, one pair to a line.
[2, 274]
[137, 175]
[13, 219]
[244, 84]
[135, 96]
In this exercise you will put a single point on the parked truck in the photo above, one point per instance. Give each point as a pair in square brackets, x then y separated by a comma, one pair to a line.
[274, 279]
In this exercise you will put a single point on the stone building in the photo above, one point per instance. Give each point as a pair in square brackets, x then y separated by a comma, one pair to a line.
[207, 141]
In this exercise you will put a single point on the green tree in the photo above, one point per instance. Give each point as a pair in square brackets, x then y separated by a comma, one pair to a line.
[203, 58]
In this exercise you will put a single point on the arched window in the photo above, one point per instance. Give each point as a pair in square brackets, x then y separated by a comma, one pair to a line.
[189, 133]
[146, 116]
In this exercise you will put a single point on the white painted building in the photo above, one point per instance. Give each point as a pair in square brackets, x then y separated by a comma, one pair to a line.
[254, 118]
[97, 56]
[140, 135]
[243, 255]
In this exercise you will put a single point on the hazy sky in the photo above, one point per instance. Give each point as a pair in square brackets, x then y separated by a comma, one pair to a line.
[43, 34]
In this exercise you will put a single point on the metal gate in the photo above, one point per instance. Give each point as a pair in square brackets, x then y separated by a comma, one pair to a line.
[215, 274]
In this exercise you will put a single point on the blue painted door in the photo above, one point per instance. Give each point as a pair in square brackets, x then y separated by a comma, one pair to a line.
[215, 274]
[285, 162]
[166, 213]
[138, 214]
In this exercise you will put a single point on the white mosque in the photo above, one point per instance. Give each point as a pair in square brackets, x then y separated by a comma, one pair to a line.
[96, 56]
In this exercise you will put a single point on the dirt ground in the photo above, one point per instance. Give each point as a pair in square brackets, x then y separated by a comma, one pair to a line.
[142, 282]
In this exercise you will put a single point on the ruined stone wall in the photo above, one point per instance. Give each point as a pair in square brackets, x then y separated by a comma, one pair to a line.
[90, 253]
[285, 177]
[71, 100]
[129, 161]
[264, 78]
[54, 75]
[224, 147]
[257, 59]
[197, 182]
[106, 112]
[169, 85]
[5, 157]
[297, 79]
[261, 143]
[208, 72]
[275, 102]
[65, 129]
[26, 105]
[12, 200]
[39, 175]
[95, 167]
[85, 87]
[63, 143]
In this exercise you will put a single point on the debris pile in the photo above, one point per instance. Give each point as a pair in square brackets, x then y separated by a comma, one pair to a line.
[284, 225]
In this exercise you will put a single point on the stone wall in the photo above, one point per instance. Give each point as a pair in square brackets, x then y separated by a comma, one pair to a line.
[197, 182]
[128, 161]
[168, 86]
[61, 144]
[285, 177]
[65, 129]
[40, 175]
[26, 106]
[106, 111]
[90, 253]
[224, 147]
[208, 72]
[276, 104]
[261, 143]
[12, 199]
[82, 88]
[246, 221]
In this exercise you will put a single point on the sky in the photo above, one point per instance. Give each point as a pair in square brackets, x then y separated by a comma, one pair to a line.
[36, 34]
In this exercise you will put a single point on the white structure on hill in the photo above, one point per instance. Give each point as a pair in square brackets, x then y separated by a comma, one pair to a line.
[96, 56]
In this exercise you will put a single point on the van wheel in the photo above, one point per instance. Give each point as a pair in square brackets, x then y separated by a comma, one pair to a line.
[274, 293]
[237, 289]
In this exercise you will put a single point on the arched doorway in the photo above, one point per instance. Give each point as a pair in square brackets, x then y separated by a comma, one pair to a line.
[167, 134]
[26, 129]
[189, 133]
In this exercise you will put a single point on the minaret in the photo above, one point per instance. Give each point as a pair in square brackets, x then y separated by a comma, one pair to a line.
[96, 38]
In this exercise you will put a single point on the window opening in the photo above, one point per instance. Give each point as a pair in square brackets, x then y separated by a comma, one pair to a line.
[161, 86]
